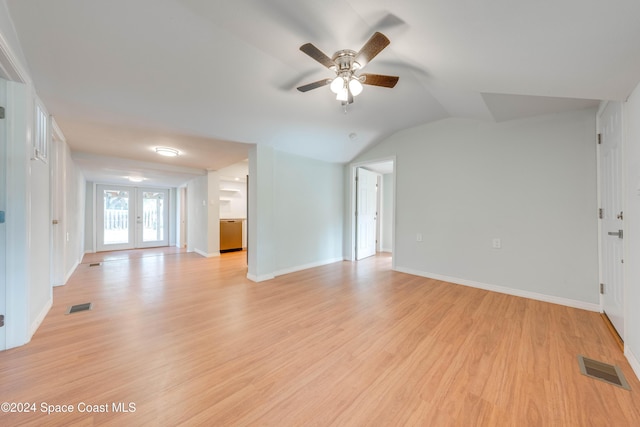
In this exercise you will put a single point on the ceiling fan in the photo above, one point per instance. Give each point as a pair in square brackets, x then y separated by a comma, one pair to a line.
[345, 63]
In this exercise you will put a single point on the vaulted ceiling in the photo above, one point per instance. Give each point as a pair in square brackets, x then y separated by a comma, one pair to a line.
[210, 77]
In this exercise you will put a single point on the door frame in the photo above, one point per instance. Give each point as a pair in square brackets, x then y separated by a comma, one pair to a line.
[3, 207]
[601, 109]
[351, 242]
[58, 203]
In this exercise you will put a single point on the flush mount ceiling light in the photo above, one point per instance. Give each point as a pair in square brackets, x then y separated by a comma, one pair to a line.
[167, 152]
[135, 178]
[345, 63]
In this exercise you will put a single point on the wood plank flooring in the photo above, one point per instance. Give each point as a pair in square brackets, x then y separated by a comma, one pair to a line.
[190, 341]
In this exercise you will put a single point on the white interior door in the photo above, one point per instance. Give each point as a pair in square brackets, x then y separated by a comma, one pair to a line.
[152, 217]
[366, 215]
[611, 247]
[57, 212]
[3, 208]
[115, 219]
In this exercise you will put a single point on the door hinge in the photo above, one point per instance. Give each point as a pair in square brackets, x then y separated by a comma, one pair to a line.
[1, 112]
[601, 288]
[1, 320]
[600, 213]
[599, 138]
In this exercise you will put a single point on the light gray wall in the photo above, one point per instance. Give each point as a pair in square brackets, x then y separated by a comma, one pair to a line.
[197, 215]
[632, 229]
[531, 183]
[75, 190]
[386, 216]
[295, 213]
[89, 218]
[173, 216]
[213, 213]
[18, 262]
[39, 207]
[308, 208]
[8, 32]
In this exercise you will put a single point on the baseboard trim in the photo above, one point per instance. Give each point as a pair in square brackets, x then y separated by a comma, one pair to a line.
[71, 271]
[504, 290]
[306, 266]
[633, 361]
[262, 278]
[43, 313]
[206, 255]
[386, 250]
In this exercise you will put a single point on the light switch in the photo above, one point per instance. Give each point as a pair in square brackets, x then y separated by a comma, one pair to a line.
[497, 243]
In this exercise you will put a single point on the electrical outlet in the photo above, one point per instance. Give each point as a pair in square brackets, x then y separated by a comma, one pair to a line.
[497, 243]
[419, 237]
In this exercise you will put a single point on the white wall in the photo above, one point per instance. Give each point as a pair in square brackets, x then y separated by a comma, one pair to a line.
[203, 218]
[295, 213]
[18, 281]
[308, 207]
[262, 244]
[173, 216]
[197, 215]
[386, 213]
[89, 217]
[213, 214]
[632, 229]
[73, 215]
[233, 199]
[38, 208]
[531, 183]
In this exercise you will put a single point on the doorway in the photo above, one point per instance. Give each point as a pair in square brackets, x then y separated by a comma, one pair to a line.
[366, 213]
[611, 214]
[131, 217]
[372, 208]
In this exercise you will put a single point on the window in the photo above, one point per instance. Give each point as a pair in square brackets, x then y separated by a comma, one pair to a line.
[40, 140]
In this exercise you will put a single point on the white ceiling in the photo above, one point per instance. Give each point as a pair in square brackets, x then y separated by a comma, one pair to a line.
[210, 77]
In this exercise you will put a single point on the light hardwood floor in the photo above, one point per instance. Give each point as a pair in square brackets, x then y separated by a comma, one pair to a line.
[190, 341]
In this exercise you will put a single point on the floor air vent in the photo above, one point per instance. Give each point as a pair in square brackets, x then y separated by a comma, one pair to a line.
[603, 372]
[94, 264]
[79, 307]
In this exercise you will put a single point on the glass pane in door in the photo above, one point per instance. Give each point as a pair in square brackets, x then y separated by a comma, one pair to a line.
[153, 205]
[116, 217]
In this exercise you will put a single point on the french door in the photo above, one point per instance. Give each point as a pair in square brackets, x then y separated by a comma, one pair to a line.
[131, 217]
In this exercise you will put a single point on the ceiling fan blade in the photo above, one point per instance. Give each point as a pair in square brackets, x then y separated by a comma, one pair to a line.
[317, 54]
[371, 48]
[314, 85]
[379, 80]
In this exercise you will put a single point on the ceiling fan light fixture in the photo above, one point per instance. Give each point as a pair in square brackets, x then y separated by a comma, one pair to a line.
[167, 152]
[337, 85]
[355, 86]
[343, 95]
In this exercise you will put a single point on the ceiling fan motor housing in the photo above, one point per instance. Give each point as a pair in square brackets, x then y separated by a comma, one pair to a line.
[345, 60]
